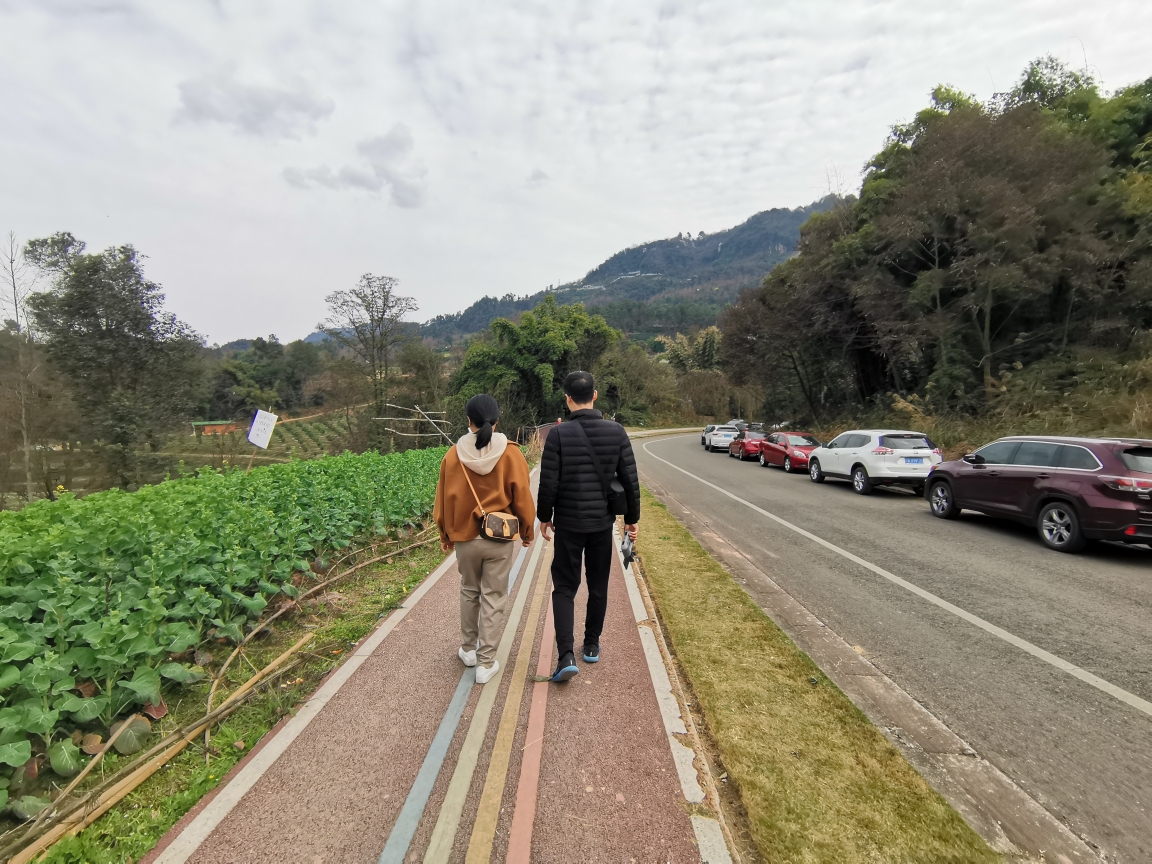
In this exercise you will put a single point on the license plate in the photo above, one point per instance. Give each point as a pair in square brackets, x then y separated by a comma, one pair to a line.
[913, 460]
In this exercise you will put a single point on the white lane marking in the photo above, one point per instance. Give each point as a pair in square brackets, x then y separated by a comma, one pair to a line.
[1087, 677]
[204, 824]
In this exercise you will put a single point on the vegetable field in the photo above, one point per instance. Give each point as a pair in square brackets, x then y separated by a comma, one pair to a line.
[105, 601]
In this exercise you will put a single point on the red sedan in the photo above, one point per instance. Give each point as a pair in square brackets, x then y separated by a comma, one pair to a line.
[746, 445]
[788, 450]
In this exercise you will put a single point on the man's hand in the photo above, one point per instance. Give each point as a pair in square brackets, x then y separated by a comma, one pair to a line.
[633, 531]
[546, 530]
[447, 546]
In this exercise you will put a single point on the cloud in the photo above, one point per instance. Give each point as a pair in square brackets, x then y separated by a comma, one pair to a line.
[390, 166]
[536, 179]
[266, 112]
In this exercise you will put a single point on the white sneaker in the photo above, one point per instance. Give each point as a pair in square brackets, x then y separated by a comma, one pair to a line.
[484, 673]
[468, 658]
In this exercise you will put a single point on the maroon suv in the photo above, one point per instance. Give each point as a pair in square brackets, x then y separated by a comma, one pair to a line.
[1071, 489]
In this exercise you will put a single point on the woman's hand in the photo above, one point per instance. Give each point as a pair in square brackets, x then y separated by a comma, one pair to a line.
[447, 546]
[525, 543]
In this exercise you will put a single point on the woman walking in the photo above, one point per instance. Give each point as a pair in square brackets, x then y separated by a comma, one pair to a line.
[483, 506]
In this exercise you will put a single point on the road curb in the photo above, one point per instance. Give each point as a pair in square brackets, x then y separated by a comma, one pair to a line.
[713, 838]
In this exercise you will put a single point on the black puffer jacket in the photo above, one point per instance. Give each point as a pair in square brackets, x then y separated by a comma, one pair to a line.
[571, 494]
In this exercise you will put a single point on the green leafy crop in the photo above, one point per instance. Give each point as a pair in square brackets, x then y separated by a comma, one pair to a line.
[101, 598]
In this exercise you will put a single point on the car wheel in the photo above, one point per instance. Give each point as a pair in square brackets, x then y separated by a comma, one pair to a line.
[814, 472]
[763, 461]
[787, 464]
[1059, 527]
[730, 453]
[941, 501]
[861, 482]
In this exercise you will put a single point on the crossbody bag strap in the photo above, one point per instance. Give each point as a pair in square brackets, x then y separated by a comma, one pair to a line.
[605, 483]
[464, 468]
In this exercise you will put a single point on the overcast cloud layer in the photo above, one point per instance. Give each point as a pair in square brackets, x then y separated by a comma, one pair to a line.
[264, 154]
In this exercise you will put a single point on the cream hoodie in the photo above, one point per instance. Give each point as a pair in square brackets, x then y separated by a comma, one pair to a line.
[481, 461]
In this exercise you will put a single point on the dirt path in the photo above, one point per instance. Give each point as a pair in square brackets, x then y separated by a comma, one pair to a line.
[399, 756]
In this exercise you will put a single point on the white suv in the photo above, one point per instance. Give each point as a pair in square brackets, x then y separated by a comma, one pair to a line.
[876, 457]
[719, 438]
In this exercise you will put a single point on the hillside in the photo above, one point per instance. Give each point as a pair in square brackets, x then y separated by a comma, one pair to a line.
[660, 286]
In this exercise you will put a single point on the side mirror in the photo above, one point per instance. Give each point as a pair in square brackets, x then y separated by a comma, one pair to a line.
[973, 459]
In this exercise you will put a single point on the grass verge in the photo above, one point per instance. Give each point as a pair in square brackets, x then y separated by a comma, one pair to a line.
[340, 619]
[818, 781]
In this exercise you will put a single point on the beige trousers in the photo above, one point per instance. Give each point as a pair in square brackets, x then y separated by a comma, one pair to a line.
[484, 566]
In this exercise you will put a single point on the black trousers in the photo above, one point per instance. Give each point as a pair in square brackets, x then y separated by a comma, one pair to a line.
[596, 550]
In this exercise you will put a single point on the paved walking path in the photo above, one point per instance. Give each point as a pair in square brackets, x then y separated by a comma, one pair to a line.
[400, 756]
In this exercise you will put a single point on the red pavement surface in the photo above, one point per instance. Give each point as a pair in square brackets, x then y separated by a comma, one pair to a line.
[607, 790]
[608, 786]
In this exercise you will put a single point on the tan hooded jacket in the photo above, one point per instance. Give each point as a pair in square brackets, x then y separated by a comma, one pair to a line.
[499, 474]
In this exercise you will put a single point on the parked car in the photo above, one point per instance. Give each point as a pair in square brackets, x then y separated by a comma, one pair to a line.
[704, 434]
[746, 444]
[876, 457]
[719, 438]
[788, 450]
[1071, 489]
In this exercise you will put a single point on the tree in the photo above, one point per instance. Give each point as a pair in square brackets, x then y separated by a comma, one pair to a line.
[18, 285]
[523, 365]
[985, 237]
[369, 321]
[133, 369]
[634, 387]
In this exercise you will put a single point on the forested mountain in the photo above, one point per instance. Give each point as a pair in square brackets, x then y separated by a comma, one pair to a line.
[663, 286]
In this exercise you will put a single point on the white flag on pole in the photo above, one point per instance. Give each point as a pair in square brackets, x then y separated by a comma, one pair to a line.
[261, 432]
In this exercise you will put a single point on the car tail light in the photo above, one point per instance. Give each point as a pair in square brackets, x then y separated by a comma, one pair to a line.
[1130, 531]
[883, 451]
[1127, 484]
[936, 451]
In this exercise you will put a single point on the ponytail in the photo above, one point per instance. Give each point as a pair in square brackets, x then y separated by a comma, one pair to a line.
[483, 411]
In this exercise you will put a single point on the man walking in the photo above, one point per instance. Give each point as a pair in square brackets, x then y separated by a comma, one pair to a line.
[581, 457]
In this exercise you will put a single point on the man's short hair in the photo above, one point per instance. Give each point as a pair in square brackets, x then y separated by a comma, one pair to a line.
[580, 386]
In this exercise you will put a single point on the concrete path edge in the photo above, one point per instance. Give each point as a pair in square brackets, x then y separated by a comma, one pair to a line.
[709, 833]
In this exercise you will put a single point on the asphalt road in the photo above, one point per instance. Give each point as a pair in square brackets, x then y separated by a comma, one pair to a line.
[1083, 754]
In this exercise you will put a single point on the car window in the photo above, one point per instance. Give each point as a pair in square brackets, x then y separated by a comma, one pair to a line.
[1078, 457]
[1138, 459]
[841, 441]
[999, 453]
[858, 440]
[1040, 454]
[803, 441]
[905, 442]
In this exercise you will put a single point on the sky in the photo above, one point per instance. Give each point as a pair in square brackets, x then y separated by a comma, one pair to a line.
[264, 154]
